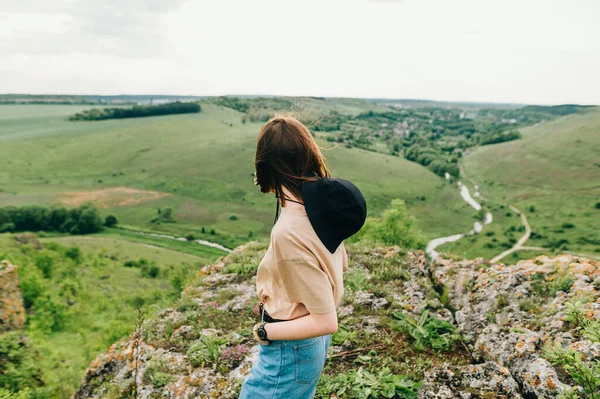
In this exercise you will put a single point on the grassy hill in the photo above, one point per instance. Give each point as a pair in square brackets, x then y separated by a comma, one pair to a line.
[81, 294]
[199, 165]
[552, 175]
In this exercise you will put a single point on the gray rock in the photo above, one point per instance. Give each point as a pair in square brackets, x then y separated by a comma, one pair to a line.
[472, 381]
[367, 299]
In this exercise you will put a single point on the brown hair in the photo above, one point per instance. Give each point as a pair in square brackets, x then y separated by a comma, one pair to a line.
[287, 155]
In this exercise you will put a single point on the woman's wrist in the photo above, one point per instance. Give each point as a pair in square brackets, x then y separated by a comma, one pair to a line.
[256, 335]
[309, 326]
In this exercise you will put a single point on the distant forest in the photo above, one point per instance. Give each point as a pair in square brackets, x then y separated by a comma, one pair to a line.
[432, 134]
[137, 111]
[84, 219]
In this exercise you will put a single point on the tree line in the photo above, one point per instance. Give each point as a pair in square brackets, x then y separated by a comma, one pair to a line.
[137, 111]
[84, 219]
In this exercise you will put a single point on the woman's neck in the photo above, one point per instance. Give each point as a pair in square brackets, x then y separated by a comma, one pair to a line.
[291, 204]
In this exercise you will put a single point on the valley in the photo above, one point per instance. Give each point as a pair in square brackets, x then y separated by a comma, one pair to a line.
[550, 175]
[181, 188]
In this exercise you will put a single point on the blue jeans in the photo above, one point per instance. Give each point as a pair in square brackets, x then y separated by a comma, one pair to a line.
[287, 369]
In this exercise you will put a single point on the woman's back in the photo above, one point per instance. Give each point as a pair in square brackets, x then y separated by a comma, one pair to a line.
[298, 274]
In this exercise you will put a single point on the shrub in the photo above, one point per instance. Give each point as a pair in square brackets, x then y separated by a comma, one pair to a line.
[356, 280]
[365, 384]
[49, 316]
[427, 332]
[25, 393]
[242, 269]
[233, 355]
[151, 270]
[587, 375]
[110, 221]
[342, 335]
[158, 373]
[205, 351]
[74, 253]
[178, 280]
[164, 215]
[18, 362]
[396, 227]
[31, 288]
[591, 331]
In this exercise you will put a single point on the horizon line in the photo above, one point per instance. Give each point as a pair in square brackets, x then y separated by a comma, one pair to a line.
[292, 96]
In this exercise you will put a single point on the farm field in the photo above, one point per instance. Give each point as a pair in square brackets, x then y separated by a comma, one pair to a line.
[552, 175]
[198, 165]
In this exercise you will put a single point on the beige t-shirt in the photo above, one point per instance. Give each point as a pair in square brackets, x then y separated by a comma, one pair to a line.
[298, 275]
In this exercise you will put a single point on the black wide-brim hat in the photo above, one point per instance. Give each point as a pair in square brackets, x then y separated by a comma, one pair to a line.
[336, 209]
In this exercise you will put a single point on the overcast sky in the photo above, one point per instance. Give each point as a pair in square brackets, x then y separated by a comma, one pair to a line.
[520, 51]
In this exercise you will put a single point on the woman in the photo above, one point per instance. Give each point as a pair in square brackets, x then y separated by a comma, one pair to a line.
[299, 281]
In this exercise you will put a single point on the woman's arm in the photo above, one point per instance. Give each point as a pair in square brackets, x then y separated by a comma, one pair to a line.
[312, 325]
[344, 258]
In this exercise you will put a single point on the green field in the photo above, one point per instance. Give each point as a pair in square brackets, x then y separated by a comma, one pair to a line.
[552, 175]
[200, 165]
[81, 304]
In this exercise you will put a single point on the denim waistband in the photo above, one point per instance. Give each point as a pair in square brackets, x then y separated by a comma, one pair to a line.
[298, 342]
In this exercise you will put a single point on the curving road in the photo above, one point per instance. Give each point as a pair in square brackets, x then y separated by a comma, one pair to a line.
[522, 240]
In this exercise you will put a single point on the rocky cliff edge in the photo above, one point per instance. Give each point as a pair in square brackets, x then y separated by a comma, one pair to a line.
[452, 329]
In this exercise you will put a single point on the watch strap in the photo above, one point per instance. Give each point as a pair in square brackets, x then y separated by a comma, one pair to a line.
[261, 326]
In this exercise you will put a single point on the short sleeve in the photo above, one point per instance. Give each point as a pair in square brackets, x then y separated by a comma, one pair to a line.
[305, 282]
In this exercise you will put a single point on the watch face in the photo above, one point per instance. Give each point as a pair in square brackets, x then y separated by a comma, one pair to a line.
[262, 334]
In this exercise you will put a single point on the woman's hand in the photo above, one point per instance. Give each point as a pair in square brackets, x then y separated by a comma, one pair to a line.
[312, 325]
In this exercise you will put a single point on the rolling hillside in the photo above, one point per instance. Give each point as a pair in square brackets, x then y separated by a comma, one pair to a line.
[199, 165]
[81, 293]
[552, 175]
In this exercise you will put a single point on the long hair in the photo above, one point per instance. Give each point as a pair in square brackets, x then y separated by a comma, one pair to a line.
[287, 155]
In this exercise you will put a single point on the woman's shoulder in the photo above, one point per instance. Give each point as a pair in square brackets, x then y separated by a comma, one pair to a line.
[292, 226]
[284, 234]
[292, 239]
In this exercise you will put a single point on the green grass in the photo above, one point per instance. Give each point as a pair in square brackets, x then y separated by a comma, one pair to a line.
[128, 249]
[97, 296]
[555, 169]
[202, 162]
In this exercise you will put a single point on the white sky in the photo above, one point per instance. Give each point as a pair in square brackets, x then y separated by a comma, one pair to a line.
[522, 51]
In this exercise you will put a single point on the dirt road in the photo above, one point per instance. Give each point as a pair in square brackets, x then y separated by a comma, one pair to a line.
[522, 240]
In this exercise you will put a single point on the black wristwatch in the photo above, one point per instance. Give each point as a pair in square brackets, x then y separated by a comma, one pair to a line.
[261, 332]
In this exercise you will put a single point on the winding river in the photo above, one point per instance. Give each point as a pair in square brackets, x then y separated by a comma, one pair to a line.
[430, 250]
